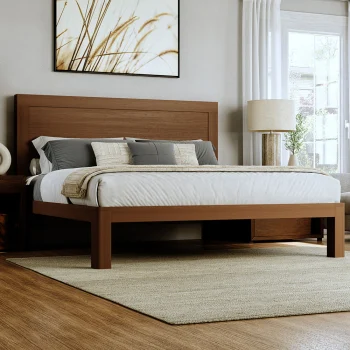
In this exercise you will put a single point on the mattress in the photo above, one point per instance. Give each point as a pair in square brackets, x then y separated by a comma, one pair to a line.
[179, 189]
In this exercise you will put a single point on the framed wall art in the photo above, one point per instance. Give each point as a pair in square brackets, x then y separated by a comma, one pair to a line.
[130, 37]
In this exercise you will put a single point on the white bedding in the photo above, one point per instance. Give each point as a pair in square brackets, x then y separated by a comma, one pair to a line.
[170, 189]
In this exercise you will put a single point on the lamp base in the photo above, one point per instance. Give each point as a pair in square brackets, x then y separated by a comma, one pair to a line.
[271, 149]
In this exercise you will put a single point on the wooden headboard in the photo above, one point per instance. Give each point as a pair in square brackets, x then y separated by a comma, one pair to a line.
[91, 117]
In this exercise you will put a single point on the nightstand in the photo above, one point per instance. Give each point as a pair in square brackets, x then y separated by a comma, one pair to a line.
[13, 203]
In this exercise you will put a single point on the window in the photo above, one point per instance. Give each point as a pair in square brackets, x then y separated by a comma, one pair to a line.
[314, 55]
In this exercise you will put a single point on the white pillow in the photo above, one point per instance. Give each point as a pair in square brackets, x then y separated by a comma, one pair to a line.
[34, 167]
[185, 154]
[111, 154]
[39, 143]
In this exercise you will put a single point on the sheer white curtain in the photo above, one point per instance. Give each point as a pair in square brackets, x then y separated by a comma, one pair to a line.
[262, 64]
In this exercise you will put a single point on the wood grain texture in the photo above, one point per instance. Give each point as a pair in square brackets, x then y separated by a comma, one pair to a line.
[102, 218]
[192, 213]
[223, 212]
[68, 116]
[271, 149]
[335, 233]
[288, 228]
[73, 212]
[101, 240]
[214, 130]
[261, 230]
[40, 313]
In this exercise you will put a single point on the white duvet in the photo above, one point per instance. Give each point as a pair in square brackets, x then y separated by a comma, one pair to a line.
[172, 189]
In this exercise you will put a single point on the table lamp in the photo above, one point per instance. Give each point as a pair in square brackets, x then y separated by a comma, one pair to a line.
[271, 117]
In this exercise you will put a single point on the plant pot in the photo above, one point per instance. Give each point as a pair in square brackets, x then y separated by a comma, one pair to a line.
[293, 160]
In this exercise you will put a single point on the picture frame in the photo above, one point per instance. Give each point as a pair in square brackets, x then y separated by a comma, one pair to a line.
[117, 37]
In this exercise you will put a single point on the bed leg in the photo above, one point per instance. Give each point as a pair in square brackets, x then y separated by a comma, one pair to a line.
[101, 240]
[335, 233]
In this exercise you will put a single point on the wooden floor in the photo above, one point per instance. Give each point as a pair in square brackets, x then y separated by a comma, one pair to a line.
[39, 313]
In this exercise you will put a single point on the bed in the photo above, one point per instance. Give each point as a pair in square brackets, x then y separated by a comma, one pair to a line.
[176, 188]
[83, 117]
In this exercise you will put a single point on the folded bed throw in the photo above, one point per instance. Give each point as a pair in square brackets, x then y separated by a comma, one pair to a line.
[75, 185]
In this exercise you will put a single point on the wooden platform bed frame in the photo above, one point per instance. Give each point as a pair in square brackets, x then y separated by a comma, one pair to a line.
[86, 117]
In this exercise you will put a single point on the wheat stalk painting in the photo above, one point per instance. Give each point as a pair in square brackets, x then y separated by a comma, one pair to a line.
[137, 37]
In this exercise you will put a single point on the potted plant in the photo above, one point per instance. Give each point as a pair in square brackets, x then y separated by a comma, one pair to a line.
[294, 140]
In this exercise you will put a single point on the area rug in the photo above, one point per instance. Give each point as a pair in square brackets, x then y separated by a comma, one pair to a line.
[213, 286]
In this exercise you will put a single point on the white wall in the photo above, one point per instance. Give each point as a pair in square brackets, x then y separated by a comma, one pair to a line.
[210, 62]
[210, 65]
[328, 7]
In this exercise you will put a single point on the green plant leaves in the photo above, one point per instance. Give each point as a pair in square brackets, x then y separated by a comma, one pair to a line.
[294, 140]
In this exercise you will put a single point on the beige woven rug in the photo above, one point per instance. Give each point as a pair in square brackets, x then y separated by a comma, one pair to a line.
[213, 286]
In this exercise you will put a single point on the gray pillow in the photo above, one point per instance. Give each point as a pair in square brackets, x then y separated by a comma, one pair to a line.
[204, 150]
[152, 153]
[73, 153]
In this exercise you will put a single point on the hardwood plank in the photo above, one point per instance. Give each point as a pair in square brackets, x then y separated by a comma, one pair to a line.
[40, 313]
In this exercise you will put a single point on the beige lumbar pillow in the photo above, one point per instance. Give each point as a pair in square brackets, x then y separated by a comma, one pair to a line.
[111, 154]
[185, 154]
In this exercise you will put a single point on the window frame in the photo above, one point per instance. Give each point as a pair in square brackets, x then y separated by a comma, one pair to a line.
[316, 23]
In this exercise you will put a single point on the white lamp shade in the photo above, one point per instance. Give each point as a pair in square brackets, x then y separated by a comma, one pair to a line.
[271, 115]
